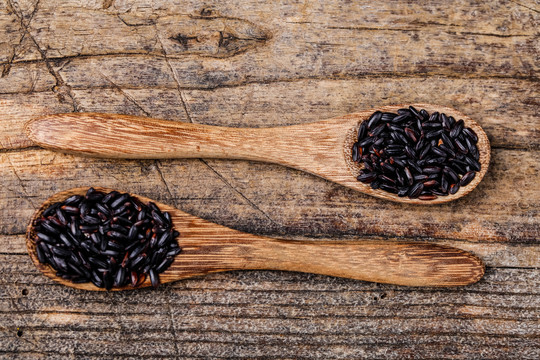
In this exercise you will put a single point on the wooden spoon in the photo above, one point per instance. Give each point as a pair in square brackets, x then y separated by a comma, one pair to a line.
[322, 148]
[208, 247]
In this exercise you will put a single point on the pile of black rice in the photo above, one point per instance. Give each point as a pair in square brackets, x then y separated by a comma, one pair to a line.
[110, 239]
[415, 154]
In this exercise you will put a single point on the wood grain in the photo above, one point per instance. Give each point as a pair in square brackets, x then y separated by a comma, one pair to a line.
[320, 60]
[301, 205]
[489, 102]
[333, 46]
[262, 311]
[208, 247]
[321, 148]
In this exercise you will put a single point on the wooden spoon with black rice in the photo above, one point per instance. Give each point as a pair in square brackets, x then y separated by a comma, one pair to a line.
[101, 239]
[417, 154]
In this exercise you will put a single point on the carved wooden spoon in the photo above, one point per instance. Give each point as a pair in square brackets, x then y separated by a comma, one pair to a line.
[208, 247]
[322, 148]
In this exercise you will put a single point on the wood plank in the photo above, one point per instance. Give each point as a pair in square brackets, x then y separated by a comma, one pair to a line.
[511, 286]
[488, 101]
[321, 61]
[300, 350]
[157, 103]
[272, 308]
[287, 345]
[400, 14]
[459, 45]
[269, 199]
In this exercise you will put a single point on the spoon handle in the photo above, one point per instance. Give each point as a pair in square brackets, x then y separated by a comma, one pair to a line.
[411, 264]
[125, 136]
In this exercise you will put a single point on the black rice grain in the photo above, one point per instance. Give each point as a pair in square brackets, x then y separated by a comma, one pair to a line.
[86, 240]
[154, 279]
[415, 154]
[467, 178]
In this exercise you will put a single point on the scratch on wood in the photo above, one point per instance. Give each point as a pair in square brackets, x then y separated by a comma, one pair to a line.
[184, 105]
[157, 164]
[62, 89]
[27, 196]
[126, 95]
[143, 22]
[251, 203]
[7, 66]
[525, 6]
[175, 77]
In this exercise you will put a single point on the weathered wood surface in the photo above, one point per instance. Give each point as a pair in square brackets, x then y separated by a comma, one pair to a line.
[258, 64]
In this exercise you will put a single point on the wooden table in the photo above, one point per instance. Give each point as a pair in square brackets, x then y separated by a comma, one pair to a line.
[257, 64]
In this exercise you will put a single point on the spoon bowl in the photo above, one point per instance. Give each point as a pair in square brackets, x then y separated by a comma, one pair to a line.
[208, 247]
[321, 148]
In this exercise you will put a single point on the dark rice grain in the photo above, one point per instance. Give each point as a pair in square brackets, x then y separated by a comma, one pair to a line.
[415, 154]
[107, 239]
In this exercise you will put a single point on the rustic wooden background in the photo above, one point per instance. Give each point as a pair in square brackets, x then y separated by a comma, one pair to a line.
[262, 63]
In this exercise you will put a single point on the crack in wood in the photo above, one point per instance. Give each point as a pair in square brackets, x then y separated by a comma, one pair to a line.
[130, 98]
[176, 80]
[7, 66]
[525, 6]
[27, 195]
[23, 27]
[229, 185]
[157, 164]
[62, 89]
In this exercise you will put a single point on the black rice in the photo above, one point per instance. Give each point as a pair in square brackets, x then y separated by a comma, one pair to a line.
[85, 240]
[415, 154]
